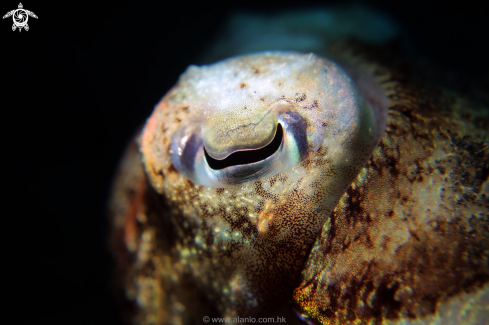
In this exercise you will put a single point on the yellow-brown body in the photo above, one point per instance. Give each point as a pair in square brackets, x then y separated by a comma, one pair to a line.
[407, 241]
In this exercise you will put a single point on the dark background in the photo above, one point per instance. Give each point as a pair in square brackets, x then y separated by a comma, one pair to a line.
[75, 88]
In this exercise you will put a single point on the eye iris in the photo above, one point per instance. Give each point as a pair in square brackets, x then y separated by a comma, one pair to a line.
[244, 157]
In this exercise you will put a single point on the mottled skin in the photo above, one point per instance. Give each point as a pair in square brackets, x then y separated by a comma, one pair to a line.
[406, 243]
[244, 245]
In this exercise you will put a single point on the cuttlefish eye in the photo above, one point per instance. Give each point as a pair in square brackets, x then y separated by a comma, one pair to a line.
[249, 155]
[255, 116]
[216, 156]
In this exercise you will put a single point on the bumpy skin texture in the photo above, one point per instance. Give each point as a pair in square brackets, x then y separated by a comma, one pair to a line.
[244, 245]
[406, 243]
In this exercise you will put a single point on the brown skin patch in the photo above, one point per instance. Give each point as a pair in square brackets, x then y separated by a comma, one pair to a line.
[409, 234]
[300, 97]
[314, 105]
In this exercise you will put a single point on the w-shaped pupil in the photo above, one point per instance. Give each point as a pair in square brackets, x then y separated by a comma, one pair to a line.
[247, 156]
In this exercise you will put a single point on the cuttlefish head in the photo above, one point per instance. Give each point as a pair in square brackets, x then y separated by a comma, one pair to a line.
[256, 116]
[251, 155]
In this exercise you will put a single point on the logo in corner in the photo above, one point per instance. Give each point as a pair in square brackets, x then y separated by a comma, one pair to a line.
[20, 17]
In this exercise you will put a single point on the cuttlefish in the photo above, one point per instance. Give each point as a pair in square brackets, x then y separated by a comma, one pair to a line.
[283, 184]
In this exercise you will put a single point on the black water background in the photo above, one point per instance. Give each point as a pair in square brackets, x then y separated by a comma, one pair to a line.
[77, 85]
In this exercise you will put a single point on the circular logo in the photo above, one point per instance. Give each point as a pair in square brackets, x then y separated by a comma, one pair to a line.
[206, 319]
[20, 17]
